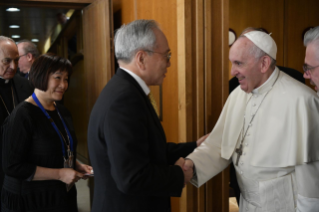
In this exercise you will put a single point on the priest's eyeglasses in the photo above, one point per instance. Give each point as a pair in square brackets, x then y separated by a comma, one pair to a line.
[307, 68]
[167, 55]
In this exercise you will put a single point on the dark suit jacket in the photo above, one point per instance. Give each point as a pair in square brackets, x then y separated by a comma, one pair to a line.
[22, 90]
[133, 164]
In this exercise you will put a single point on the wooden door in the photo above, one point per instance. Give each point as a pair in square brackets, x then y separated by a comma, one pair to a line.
[97, 47]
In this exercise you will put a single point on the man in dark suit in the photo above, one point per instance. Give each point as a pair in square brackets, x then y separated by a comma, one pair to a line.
[135, 169]
[13, 89]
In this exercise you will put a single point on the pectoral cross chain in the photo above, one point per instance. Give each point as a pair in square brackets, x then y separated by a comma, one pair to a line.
[239, 152]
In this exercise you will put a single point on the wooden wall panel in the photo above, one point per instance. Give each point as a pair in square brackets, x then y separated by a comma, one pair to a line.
[74, 99]
[216, 38]
[186, 91]
[199, 23]
[203, 88]
[98, 54]
[299, 15]
[265, 14]
[128, 8]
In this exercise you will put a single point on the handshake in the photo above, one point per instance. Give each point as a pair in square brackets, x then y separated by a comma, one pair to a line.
[187, 167]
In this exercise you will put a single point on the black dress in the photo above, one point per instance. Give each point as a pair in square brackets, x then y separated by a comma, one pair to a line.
[29, 140]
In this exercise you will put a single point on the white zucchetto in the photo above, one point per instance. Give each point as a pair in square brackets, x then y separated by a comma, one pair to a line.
[263, 41]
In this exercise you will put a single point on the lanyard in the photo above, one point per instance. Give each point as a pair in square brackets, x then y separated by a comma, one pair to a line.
[54, 125]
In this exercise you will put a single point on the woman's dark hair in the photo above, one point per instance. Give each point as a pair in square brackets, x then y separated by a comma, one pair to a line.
[45, 65]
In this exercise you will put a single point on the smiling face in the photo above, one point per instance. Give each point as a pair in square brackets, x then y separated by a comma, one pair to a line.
[245, 66]
[312, 60]
[57, 85]
[156, 64]
[9, 57]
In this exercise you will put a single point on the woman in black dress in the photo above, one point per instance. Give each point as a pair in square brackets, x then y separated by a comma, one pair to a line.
[39, 145]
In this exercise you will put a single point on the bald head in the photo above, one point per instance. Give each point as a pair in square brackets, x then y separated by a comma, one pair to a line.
[28, 53]
[9, 57]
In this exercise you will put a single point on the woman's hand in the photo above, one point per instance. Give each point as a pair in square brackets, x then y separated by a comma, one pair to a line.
[83, 168]
[68, 175]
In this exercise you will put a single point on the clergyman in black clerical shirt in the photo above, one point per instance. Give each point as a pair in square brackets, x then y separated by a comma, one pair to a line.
[13, 89]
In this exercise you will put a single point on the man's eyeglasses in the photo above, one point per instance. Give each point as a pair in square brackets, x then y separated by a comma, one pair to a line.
[167, 55]
[307, 68]
[22, 55]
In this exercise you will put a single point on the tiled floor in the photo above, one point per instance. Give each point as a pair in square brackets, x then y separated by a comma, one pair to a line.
[233, 206]
[83, 196]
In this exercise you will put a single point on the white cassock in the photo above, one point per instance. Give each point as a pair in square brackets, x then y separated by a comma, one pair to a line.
[279, 168]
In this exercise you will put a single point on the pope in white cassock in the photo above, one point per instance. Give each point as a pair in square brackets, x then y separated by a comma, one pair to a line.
[269, 129]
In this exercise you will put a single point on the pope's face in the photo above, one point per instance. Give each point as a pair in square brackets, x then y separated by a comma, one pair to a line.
[245, 66]
[9, 58]
[312, 63]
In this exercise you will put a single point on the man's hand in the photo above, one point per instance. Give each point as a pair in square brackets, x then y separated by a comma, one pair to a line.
[188, 172]
[180, 162]
[188, 169]
[202, 139]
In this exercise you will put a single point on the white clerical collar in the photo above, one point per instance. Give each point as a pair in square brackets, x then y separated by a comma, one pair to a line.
[139, 80]
[268, 84]
[5, 81]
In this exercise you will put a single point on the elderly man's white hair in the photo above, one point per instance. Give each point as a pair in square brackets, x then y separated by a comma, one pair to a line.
[133, 37]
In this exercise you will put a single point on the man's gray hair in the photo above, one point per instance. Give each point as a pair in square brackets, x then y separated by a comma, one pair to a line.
[29, 47]
[312, 36]
[4, 38]
[133, 37]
